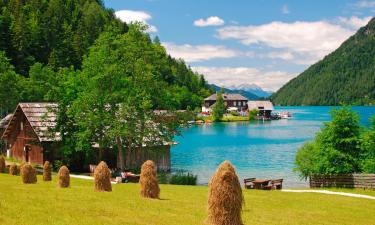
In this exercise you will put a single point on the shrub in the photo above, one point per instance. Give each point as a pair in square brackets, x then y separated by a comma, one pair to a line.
[148, 180]
[183, 179]
[102, 177]
[368, 148]
[253, 113]
[13, 170]
[64, 177]
[2, 164]
[47, 171]
[57, 164]
[234, 113]
[225, 199]
[28, 174]
[335, 149]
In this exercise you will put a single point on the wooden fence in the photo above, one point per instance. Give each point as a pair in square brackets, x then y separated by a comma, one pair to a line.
[344, 181]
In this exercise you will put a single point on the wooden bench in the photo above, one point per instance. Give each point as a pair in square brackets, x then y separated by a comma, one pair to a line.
[277, 184]
[249, 183]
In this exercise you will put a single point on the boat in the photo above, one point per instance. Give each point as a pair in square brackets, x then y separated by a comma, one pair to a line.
[285, 115]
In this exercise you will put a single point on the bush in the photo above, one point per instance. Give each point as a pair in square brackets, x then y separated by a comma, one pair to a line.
[64, 177]
[28, 174]
[235, 113]
[368, 148]
[2, 164]
[183, 179]
[148, 180]
[57, 164]
[102, 177]
[253, 114]
[335, 149]
[47, 171]
[225, 199]
[13, 170]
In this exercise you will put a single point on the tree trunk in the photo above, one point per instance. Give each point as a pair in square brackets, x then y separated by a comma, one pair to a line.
[100, 153]
[120, 159]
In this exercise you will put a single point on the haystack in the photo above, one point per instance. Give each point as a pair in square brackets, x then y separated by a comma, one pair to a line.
[20, 166]
[2, 164]
[47, 171]
[13, 170]
[102, 177]
[225, 199]
[148, 180]
[28, 174]
[64, 177]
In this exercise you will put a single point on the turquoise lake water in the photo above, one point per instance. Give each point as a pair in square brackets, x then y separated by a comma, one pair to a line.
[257, 149]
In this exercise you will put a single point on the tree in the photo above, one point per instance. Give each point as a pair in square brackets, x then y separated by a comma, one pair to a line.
[219, 107]
[368, 148]
[41, 85]
[114, 105]
[11, 86]
[335, 149]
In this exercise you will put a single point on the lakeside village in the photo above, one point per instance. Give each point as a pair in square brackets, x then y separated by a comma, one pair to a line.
[28, 134]
[239, 108]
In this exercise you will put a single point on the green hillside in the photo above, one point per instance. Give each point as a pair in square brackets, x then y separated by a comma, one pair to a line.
[41, 41]
[346, 76]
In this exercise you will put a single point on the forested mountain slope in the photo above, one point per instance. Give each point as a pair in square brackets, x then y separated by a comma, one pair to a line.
[346, 76]
[42, 42]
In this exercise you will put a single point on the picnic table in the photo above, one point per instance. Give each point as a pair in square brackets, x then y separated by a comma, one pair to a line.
[261, 184]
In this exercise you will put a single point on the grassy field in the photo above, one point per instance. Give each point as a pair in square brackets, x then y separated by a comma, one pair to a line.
[44, 203]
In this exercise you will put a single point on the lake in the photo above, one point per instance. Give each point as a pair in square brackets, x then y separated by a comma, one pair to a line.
[257, 149]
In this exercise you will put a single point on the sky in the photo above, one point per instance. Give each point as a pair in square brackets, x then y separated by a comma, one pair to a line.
[241, 42]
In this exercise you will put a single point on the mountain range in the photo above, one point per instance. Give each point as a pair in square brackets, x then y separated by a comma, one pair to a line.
[250, 91]
[344, 77]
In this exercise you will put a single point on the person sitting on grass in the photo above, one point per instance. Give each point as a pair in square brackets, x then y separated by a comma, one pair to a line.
[125, 174]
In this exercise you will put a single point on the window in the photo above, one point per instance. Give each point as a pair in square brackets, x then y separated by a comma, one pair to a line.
[21, 126]
[234, 103]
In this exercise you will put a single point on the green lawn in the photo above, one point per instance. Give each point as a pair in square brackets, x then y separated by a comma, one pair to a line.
[44, 203]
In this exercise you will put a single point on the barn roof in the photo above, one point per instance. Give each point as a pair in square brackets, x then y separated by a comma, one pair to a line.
[42, 118]
[264, 105]
[4, 122]
[230, 97]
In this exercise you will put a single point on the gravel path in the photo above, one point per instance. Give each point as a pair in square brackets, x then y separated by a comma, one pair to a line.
[332, 193]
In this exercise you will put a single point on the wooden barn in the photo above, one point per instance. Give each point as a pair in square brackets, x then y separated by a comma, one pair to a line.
[30, 137]
[29, 134]
[3, 125]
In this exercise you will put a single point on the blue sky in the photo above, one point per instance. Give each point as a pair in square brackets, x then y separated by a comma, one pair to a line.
[238, 42]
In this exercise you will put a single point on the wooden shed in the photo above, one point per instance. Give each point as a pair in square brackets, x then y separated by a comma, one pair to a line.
[30, 134]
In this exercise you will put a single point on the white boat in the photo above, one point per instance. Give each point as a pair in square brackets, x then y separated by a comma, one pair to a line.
[285, 115]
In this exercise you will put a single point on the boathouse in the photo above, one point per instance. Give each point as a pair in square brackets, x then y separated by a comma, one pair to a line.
[230, 101]
[264, 107]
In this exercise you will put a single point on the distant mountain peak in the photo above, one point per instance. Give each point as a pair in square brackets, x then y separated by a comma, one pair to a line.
[252, 88]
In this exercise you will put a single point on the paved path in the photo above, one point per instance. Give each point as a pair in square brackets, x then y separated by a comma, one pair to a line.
[332, 193]
[85, 177]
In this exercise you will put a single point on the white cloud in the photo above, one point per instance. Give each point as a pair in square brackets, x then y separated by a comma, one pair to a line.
[285, 9]
[232, 76]
[354, 21]
[130, 16]
[210, 21]
[365, 4]
[285, 55]
[197, 53]
[304, 42]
